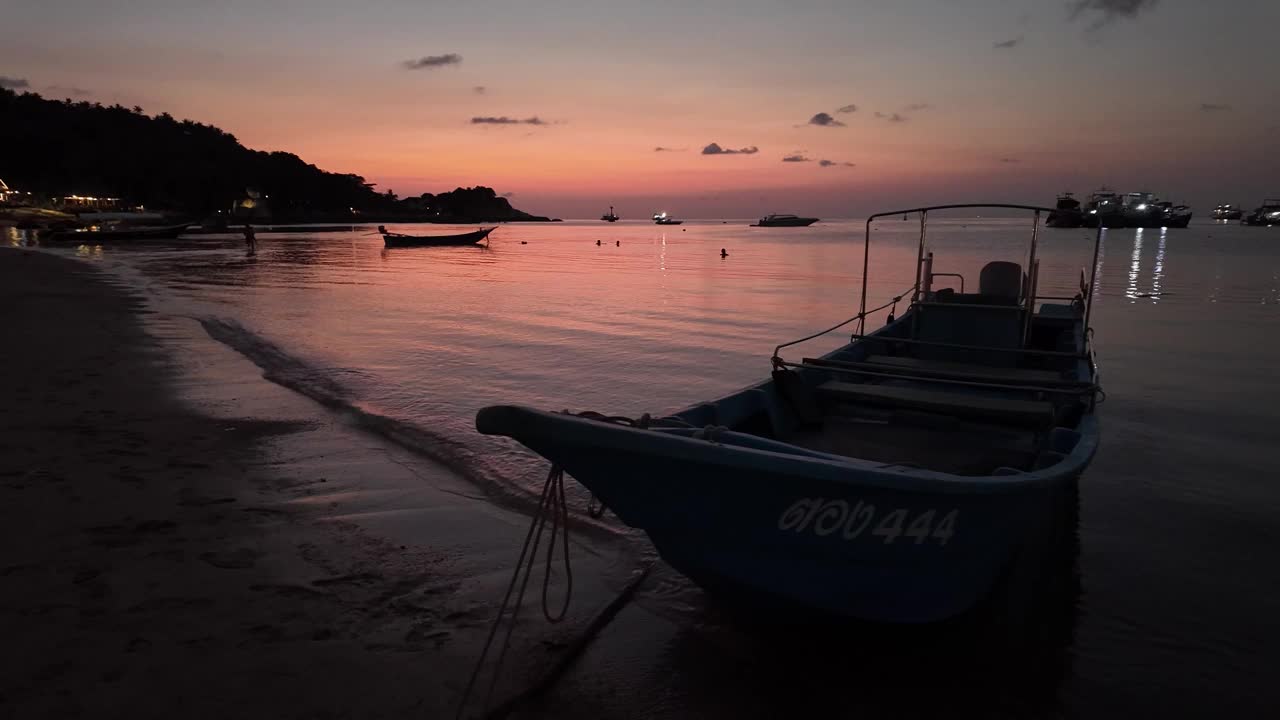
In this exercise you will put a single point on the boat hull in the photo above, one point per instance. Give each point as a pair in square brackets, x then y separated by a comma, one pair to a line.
[168, 232]
[471, 238]
[1065, 219]
[768, 524]
[794, 222]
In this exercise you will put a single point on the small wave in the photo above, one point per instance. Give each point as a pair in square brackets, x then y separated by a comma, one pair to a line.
[286, 370]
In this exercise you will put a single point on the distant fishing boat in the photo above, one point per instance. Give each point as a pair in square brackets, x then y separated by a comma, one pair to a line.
[1103, 210]
[609, 216]
[1066, 212]
[664, 219]
[1228, 212]
[1268, 214]
[1174, 216]
[896, 479]
[400, 240]
[108, 233]
[777, 220]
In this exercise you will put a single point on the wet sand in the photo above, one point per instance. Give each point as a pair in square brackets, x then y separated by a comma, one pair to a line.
[181, 538]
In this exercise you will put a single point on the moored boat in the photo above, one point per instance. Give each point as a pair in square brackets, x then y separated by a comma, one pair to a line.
[894, 479]
[609, 216]
[1174, 216]
[662, 218]
[1066, 212]
[1228, 212]
[391, 239]
[1141, 210]
[108, 233]
[1267, 214]
[1103, 210]
[781, 220]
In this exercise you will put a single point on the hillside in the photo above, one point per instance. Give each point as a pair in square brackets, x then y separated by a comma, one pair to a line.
[54, 148]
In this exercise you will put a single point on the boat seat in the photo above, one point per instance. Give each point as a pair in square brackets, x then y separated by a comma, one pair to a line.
[1001, 279]
[970, 371]
[1036, 414]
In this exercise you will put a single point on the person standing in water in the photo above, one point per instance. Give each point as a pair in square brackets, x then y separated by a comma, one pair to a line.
[250, 240]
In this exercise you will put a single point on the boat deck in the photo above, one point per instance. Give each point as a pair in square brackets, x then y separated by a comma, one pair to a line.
[931, 442]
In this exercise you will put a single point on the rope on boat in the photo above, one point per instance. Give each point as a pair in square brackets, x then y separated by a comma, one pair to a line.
[777, 359]
[552, 503]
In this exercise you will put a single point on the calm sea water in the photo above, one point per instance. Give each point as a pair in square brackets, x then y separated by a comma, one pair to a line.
[1180, 612]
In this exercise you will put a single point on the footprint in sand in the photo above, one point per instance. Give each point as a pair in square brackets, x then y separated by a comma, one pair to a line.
[239, 559]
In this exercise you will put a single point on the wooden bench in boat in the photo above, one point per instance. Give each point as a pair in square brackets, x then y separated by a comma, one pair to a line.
[1037, 414]
[947, 370]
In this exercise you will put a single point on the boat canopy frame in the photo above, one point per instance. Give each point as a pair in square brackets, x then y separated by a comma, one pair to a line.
[924, 276]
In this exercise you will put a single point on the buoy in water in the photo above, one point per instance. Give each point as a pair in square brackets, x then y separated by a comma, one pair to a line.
[524, 242]
[597, 243]
[724, 253]
[618, 243]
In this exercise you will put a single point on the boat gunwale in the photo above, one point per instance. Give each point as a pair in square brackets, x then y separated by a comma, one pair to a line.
[826, 467]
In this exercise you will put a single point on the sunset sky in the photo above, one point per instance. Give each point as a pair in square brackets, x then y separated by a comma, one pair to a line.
[942, 100]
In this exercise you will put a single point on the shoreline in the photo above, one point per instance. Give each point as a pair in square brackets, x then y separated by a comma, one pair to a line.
[177, 545]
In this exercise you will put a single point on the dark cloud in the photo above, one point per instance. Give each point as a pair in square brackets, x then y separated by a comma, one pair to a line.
[13, 83]
[834, 163]
[1009, 160]
[667, 149]
[479, 89]
[1213, 107]
[432, 61]
[67, 90]
[892, 117]
[504, 120]
[917, 107]
[715, 149]
[1007, 44]
[1106, 11]
[796, 158]
[825, 120]
[848, 108]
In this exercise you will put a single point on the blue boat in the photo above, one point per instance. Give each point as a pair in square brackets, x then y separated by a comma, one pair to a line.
[897, 479]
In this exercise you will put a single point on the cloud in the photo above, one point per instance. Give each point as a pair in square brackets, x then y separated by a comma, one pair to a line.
[432, 61]
[479, 89]
[893, 117]
[13, 83]
[825, 120]
[1106, 11]
[1213, 107]
[504, 120]
[68, 90]
[715, 149]
[1009, 160]
[1007, 44]
[848, 108]
[667, 149]
[834, 163]
[796, 158]
[916, 107]
[507, 195]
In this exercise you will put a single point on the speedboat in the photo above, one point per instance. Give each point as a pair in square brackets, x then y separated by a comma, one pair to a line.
[897, 479]
[663, 219]
[785, 221]
[1066, 212]
[609, 216]
[1103, 210]
[1227, 212]
[1268, 214]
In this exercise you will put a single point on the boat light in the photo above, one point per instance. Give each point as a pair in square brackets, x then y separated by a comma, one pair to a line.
[1142, 206]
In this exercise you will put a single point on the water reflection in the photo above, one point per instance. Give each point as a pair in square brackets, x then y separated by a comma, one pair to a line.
[1135, 266]
[1157, 274]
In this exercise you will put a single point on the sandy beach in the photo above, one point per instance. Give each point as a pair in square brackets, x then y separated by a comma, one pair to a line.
[160, 561]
